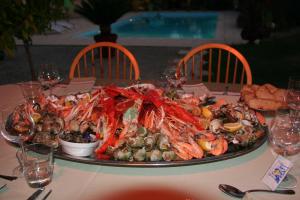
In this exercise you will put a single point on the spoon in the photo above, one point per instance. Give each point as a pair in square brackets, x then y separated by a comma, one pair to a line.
[233, 191]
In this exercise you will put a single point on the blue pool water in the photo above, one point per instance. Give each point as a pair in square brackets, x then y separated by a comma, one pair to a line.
[172, 25]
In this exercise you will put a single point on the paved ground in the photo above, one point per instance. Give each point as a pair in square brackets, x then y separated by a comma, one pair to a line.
[152, 55]
[152, 61]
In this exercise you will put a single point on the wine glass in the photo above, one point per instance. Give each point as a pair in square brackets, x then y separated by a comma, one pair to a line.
[49, 76]
[31, 92]
[38, 165]
[284, 139]
[12, 135]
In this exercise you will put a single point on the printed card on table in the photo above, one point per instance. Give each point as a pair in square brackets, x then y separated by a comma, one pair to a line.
[277, 172]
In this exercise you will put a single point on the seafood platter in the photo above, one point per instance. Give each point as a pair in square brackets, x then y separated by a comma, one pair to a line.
[142, 126]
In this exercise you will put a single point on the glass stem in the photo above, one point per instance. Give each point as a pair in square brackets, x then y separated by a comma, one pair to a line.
[21, 143]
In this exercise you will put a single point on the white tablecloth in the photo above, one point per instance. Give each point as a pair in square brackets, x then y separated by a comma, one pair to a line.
[94, 182]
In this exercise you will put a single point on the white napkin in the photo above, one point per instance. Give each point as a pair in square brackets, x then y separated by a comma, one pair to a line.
[77, 85]
[196, 89]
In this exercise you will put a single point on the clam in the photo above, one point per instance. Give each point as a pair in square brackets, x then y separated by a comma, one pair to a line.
[155, 155]
[169, 155]
[123, 154]
[136, 142]
[150, 141]
[163, 142]
[246, 123]
[140, 155]
[215, 125]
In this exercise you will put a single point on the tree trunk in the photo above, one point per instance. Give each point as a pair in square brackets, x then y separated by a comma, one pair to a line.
[29, 59]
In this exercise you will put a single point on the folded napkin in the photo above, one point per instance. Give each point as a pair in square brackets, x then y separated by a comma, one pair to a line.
[77, 85]
[227, 93]
[58, 90]
[196, 89]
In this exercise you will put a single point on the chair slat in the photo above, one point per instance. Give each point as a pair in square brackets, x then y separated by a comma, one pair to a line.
[124, 67]
[130, 71]
[235, 70]
[209, 65]
[85, 65]
[186, 68]
[242, 77]
[101, 63]
[109, 63]
[201, 66]
[78, 69]
[118, 64]
[193, 69]
[93, 64]
[227, 68]
[219, 66]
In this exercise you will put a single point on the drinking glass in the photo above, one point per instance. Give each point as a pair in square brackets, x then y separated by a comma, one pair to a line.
[13, 136]
[37, 161]
[31, 91]
[49, 76]
[284, 139]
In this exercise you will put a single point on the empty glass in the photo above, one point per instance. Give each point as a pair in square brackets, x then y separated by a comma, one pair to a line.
[37, 162]
[31, 91]
[284, 138]
[285, 134]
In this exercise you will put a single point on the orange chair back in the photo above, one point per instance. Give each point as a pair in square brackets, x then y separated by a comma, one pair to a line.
[105, 60]
[215, 62]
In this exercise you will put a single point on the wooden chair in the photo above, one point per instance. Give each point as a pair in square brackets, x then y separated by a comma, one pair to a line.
[215, 62]
[105, 60]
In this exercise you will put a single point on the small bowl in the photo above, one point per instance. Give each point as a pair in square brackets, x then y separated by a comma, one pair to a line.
[78, 149]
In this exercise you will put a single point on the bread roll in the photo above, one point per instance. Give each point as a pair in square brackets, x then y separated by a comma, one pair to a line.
[264, 97]
[272, 89]
[264, 104]
[263, 93]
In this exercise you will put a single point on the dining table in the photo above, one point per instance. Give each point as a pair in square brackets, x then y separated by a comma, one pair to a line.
[77, 181]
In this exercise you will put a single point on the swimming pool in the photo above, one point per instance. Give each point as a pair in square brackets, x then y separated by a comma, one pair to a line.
[170, 25]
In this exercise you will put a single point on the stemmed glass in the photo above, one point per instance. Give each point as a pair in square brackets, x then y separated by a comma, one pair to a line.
[285, 140]
[15, 136]
[172, 83]
[292, 97]
[49, 76]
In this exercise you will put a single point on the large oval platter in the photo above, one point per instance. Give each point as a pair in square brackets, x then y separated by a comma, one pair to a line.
[233, 152]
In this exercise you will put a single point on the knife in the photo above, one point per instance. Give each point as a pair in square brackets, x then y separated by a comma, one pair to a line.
[3, 186]
[10, 178]
[36, 194]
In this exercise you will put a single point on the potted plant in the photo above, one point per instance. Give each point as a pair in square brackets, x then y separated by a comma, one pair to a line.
[103, 13]
[22, 19]
[255, 19]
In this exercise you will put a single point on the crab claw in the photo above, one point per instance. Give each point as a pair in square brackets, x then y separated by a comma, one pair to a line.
[261, 119]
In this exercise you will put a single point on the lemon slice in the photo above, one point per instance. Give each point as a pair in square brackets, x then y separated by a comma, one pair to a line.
[232, 127]
[36, 117]
[204, 144]
[207, 113]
